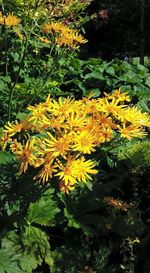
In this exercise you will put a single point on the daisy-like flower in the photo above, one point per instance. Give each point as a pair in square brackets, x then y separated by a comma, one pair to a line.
[84, 142]
[111, 106]
[12, 129]
[54, 26]
[61, 108]
[37, 113]
[66, 187]
[135, 116]
[131, 131]
[11, 20]
[76, 170]
[67, 173]
[24, 154]
[76, 119]
[121, 97]
[4, 140]
[1, 19]
[105, 135]
[59, 146]
[47, 172]
[84, 169]
[70, 39]
[66, 130]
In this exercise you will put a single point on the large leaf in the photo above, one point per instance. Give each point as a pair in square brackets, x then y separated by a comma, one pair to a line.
[36, 243]
[9, 262]
[28, 263]
[43, 212]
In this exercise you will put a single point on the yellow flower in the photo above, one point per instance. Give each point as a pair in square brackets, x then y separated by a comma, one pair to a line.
[66, 187]
[133, 115]
[121, 97]
[111, 107]
[84, 142]
[12, 129]
[11, 20]
[58, 146]
[131, 131]
[47, 172]
[65, 130]
[76, 119]
[105, 135]
[24, 154]
[4, 140]
[84, 168]
[1, 19]
[67, 173]
[76, 170]
[62, 107]
[71, 40]
[37, 114]
[54, 26]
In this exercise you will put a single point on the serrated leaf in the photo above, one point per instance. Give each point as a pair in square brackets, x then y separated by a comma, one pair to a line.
[25, 260]
[8, 263]
[36, 243]
[28, 263]
[43, 211]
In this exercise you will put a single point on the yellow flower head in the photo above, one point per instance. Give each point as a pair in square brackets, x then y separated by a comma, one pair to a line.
[12, 129]
[4, 140]
[46, 172]
[66, 187]
[24, 154]
[64, 35]
[11, 20]
[84, 142]
[131, 131]
[58, 146]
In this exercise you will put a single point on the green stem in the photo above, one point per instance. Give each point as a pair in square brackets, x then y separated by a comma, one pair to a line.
[20, 65]
[16, 80]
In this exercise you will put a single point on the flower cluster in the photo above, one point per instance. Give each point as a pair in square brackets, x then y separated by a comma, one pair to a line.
[57, 136]
[64, 36]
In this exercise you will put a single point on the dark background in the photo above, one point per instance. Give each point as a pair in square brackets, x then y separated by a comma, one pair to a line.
[118, 29]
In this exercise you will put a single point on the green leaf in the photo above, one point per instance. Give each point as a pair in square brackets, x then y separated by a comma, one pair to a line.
[110, 70]
[36, 242]
[95, 75]
[95, 91]
[71, 221]
[43, 212]
[6, 157]
[147, 82]
[28, 263]
[21, 116]
[8, 262]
